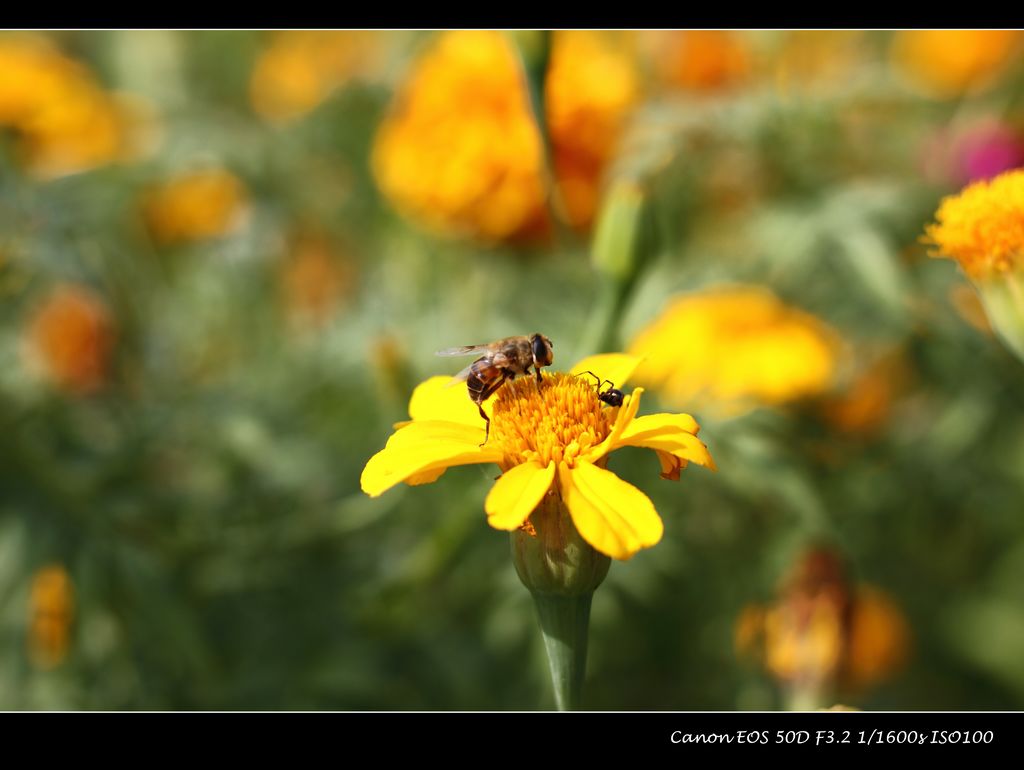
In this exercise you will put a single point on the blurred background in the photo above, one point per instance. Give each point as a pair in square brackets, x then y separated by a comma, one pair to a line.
[226, 259]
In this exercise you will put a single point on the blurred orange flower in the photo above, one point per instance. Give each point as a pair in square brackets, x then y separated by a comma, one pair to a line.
[591, 88]
[734, 349]
[823, 632]
[982, 227]
[195, 206]
[701, 60]
[314, 279]
[300, 69]
[865, 405]
[947, 62]
[67, 123]
[460, 151]
[72, 336]
[51, 612]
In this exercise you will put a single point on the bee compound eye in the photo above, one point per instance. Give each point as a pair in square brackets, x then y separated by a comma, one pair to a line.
[540, 351]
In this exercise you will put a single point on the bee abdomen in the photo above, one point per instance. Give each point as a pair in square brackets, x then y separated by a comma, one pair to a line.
[476, 388]
[483, 380]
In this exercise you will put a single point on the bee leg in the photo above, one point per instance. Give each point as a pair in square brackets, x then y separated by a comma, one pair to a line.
[487, 432]
[537, 369]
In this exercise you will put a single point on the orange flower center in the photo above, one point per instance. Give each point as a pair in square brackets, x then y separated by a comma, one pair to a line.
[558, 419]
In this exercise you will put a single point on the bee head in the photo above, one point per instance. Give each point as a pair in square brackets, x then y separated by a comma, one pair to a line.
[542, 354]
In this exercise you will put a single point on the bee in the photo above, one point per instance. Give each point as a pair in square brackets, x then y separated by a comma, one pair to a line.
[612, 396]
[501, 360]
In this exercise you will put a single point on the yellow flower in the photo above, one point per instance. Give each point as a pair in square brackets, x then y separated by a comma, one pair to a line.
[946, 62]
[982, 228]
[72, 335]
[300, 68]
[460, 151]
[194, 206]
[735, 348]
[551, 442]
[51, 611]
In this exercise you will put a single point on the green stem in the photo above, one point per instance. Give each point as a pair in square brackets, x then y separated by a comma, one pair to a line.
[602, 330]
[805, 698]
[535, 57]
[562, 571]
[564, 622]
[1003, 298]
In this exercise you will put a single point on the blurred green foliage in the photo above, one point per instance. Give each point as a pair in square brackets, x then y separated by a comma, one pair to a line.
[206, 504]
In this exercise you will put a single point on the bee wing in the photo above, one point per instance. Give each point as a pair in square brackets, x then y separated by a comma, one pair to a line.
[465, 350]
[460, 377]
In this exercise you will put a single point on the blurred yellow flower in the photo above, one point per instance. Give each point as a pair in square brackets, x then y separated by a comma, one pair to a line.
[982, 228]
[460, 151]
[66, 122]
[72, 336]
[314, 279]
[51, 612]
[733, 349]
[300, 69]
[701, 60]
[194, 206]
[823, 632]
[552, 444]
[947, 62]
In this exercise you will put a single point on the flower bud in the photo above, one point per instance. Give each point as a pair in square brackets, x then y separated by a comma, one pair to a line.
[551, 557]
[618, 240]
[1003, 298]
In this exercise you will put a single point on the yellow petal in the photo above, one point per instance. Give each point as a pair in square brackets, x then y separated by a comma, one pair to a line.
[434, 400]
[624, 417]
[659, 423]
[426, 477]
[517, 493]
[617, 367]
[612, 515]
[671, 433]
[419, 432]
[683, 446]
[423, 447]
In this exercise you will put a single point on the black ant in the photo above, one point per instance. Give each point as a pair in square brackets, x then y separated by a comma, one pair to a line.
[612, 396]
